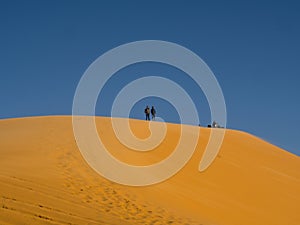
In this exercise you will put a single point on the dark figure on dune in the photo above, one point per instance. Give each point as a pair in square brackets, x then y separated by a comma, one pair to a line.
[153, 112]
[147, 112]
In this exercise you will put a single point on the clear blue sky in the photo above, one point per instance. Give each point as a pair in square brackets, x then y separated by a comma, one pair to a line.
[252, 47]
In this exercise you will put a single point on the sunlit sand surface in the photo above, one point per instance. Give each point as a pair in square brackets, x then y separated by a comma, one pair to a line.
[45, 180]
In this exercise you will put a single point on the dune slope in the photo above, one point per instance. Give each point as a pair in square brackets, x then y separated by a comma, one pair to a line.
[45, 180]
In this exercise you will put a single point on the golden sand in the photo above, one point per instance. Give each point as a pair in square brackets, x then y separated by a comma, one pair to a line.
[45, 180]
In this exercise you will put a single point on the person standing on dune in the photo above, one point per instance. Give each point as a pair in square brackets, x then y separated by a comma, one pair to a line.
[153, 112]
[147, 112]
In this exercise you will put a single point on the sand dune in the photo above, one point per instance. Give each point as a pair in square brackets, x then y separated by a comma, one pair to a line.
[45, 180]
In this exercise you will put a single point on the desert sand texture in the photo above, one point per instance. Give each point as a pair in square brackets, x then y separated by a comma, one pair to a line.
[44, 179]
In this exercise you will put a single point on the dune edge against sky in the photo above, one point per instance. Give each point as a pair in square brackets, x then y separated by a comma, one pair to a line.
[45, 180]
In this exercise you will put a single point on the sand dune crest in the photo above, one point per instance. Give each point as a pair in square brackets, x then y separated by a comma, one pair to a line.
[45, 180]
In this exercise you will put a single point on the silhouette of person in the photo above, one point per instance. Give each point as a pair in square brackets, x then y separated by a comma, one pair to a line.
[215, 125]
[147, 112]
[153, 112]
